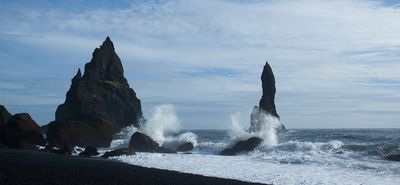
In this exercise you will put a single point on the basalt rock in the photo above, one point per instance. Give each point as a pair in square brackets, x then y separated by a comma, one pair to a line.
[143, 143]
[22, 132]
[89, 152]
[102, 91]
[188, 146]
[119, 152]
[267, 101]
[84, 131]
[242, 146]
[4, 117]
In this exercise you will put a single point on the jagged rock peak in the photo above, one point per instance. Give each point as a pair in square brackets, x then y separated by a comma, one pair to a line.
[105, 63]
[102, 91]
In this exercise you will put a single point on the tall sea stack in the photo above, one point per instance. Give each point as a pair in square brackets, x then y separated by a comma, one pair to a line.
[102, 91]
[267, 101]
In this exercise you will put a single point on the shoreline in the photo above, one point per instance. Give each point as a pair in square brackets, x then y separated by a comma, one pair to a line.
[35, 167]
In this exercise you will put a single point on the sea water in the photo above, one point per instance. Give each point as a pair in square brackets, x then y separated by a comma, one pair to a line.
[298, 156]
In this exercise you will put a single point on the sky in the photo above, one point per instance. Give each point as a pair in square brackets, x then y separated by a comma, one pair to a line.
[336, 63]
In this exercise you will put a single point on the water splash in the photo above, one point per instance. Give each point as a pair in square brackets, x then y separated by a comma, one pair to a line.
[266, 129]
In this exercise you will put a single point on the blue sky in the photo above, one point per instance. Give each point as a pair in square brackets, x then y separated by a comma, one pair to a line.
[337, 63]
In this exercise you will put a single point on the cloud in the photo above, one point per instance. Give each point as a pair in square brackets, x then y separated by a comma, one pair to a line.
[336, 62]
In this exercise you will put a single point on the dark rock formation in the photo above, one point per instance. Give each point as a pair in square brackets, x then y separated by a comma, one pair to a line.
[242, 146]
[267, 101]
[102, 90]
[119, 152]
[395, 157]
[51, 149]
[4, 117]
[188, 146]
[85, 131]
[22, 132]
[143, 143]
[89, 152]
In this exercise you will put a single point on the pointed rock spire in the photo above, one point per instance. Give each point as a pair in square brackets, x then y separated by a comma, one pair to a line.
[102, 91]
[267, 102]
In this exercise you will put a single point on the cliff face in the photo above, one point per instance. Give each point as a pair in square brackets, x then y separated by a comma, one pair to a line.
[102, 91]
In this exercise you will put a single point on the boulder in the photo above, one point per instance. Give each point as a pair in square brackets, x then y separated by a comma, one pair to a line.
[395, 157]
[89, 152]
[103, 91]
[22, 132]
[143, 143]
[119, 152]
[242, 146]
[85, 131]
[184, 147]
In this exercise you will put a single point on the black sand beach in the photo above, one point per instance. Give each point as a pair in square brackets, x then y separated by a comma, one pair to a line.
[19, 167]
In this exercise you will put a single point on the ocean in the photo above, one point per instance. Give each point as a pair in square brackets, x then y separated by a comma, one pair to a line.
[299, 156]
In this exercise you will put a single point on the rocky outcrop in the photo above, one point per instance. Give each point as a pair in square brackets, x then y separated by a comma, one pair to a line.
[22, 132]
[4, 117]
[143, 143]
[119, 152]
[184, 147]
[267, 101]
[84, 131]
[89, 152]
[102, 91]
[242, 146]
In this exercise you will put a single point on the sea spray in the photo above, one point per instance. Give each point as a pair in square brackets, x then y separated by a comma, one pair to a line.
[163, 122]
[163, 127]
[267, 129]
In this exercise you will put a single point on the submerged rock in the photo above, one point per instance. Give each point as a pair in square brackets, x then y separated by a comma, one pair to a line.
[22, 132]
[143, 143]
[119, 152]
[85, 131]
[102, 91]
[242, 146]
[395, 157]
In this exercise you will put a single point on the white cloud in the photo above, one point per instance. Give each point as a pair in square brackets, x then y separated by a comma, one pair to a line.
[325, 54]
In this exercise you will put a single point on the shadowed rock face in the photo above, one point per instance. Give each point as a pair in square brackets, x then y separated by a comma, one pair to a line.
[267, 102]
[85, 131]
[102, 91]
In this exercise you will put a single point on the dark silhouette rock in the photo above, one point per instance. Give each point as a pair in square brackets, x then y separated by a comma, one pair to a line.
[188, 146]
[119, 152]
[4, 117]
[267, 101]
[63, 151]
[89, 152]
[143, 143]
[22, 132]
[395, 157]
[102, 90]
[85, 131]
[242, 146]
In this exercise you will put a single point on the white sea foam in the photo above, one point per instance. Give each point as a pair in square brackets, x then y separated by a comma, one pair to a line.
[255, 169]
